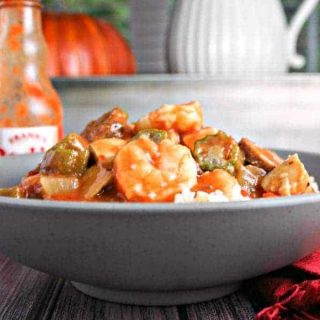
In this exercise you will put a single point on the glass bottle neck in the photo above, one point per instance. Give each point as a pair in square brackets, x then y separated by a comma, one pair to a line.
[27, 17]
[22, 44]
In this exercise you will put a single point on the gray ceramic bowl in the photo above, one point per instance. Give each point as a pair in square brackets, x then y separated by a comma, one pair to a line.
[157, 254]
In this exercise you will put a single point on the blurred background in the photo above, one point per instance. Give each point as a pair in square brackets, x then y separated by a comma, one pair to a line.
[243, 64]
[118, 13]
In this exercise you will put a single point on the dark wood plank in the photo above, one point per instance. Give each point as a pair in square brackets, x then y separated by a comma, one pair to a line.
[233, 307]
[72, 304]
[25, 294]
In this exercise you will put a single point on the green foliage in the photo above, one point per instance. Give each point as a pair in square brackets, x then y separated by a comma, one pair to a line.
[116, 12]
[291, 3]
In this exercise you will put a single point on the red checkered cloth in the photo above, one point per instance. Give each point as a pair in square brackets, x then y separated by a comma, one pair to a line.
[292, 293]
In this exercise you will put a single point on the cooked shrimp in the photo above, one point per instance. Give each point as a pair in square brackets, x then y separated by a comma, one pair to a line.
[147, 171]
[182, 118]
[190, 138]
[219, 179]
[288, 178]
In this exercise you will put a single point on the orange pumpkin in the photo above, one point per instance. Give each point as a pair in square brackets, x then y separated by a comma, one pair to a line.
[80, 45]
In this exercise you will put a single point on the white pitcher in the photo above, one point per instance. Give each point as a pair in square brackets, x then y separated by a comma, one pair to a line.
[235, 37]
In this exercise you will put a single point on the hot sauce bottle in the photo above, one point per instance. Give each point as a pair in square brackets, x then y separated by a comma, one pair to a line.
[31, 114]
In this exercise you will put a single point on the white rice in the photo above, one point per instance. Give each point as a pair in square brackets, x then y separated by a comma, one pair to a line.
[188, 196]
[314, 185]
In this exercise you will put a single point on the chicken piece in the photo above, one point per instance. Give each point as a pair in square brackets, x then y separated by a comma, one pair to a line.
[105, 150]
[257, 156]
[288, 178]
[111, 125]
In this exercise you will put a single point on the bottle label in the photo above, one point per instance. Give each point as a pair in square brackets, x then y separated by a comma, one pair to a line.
[14, 141]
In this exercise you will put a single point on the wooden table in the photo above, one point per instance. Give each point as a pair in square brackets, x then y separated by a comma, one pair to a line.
[29, 294]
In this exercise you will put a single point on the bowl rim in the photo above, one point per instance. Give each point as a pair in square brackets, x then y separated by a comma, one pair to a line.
[162, 208]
